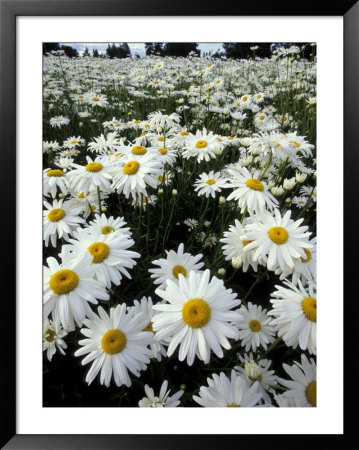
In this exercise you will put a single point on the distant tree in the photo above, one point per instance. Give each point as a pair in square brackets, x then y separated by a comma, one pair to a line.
[180, 48]
[121, 51]
[47, 47]
[86, 52]
[69, 51]
[125, 51]
[95, 53]
[149, 48]
[243, 50]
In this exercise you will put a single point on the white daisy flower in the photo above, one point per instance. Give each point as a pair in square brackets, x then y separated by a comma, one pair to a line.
[59, 220]
[115, 344]
[255, 330]
[302, 388]
[201, 146]
[250, 192]
[295, 312]
[110, 257]
[277, 240]
[94, 99]
[73, 142]
[59, 121]
[53, 179]
[164, 400]
[137, 172]
[209, 184]
[106, 225]
[175, 264]
[96, 174]
[68, 287]
[198, 316]
[228, 392]
[52, 338]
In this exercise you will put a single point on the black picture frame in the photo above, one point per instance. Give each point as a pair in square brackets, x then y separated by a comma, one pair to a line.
[9, 10]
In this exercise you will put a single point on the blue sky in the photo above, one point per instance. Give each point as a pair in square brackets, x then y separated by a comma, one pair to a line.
[135, 47]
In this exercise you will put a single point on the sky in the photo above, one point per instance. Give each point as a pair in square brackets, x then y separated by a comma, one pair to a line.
[134, 47]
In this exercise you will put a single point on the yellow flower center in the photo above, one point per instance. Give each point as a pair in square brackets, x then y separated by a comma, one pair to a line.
[179, 269]
[56, 214]
[144, 133]
[309, 256]
[58, 120]
[55, 173]
[201, 144]
[245, 98]
[114, 341]
[95, 99]
[196, 313]
[136, 121]
[99, 251]
[210, 181]
[81, 195]
[309, 307]
[94, 167]
[64, 281]
[148, 327]
[208, 239]
[49, 335]
[161, 138]
[255, 184]
[139, 150]
[184, 133]
[311, 393]
[163, 151]
[254, 325]
[233, 405]
[246, 242]
[107, 229]
[295, 143]
[131, 168]
[74, 142]
[278, 235]
[262, 117]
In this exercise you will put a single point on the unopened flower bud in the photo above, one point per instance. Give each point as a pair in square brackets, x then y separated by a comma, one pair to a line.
[237, 262]
[160, 191]
[222, 200]
[289, 184]
[277, 191]
[288, 200]
[207, 223]
[271, 183]
[221, 272]
[300, 177]
[174, 192]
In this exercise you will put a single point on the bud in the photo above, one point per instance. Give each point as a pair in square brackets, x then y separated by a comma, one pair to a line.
[289, 184]
[252, 369]
[81, 124]
[221, 272]
[174, 192]
[51, 105]
[222, 200]
[277, 191]
[271, 184]
[288, 200]
[160, 191]
[256, 151]
[207, 223]
[61, 195]
[159, 130]
[315, 175]
[183, 386]
[104, 209]
[300, 177]
[237, 262]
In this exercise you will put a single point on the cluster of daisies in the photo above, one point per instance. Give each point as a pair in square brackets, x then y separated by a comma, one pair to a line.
[210, 182]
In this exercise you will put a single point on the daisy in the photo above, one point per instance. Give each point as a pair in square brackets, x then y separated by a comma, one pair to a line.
[258, 371]
[234, 246]
[164, 400]
[175, 264]
[51, 146]
[110, 257]
[94, 99]
[198, 316]
[254, 328]
[68, 287]
[302, 388]
[106, 225]
[52, 338]
[73, 142]
[53, 179]
[64, 163]
[59, 121]
[209, 184]
[115, 344]
[96, 174]
[137, 172]
[146, 307]
[59, 220]
[277, 240]
[201, 145]
[228, 392]
[207, 240]
[87, 203]
[295, 312]
[250, 192]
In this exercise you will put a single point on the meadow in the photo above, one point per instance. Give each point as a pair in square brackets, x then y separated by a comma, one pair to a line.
[179, 231]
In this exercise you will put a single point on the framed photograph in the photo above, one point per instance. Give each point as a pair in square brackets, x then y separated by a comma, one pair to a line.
[165, 244]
